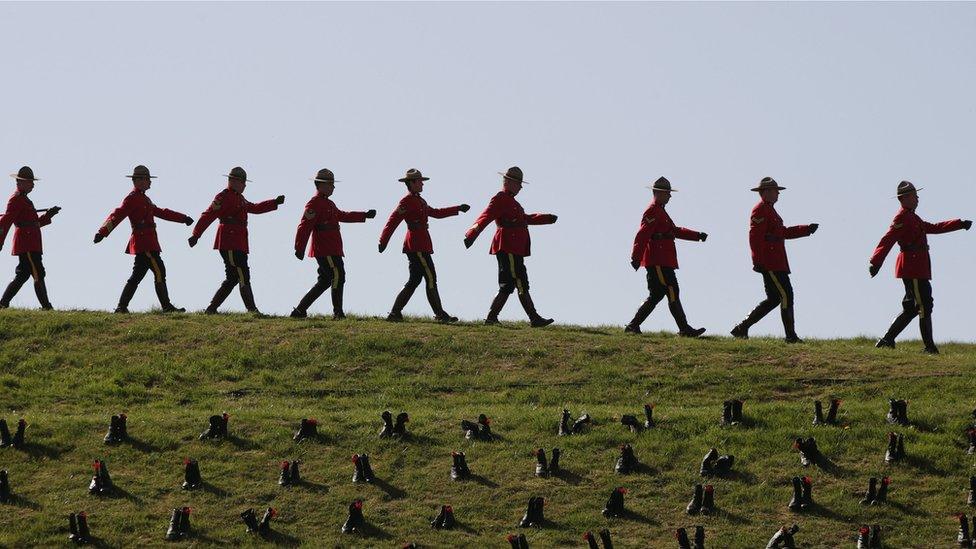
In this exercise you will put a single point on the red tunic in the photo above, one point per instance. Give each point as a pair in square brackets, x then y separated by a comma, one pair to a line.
[512, 234]
[767, 236]
[141, 213]
[231, 208]
[27, 232]
[909, 231]
[654, 243]
[415, 211]
[321, 221]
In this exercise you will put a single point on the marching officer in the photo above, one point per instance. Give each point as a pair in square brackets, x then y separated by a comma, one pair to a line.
[144, 243]
[510, 245]
[231, 208]
[320, 221]
[767, 236]
[913, 265]
[417, 244]
[654, 249]
[27, 238]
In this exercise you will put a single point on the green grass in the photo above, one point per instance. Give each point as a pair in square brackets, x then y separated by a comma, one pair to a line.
[67, 372]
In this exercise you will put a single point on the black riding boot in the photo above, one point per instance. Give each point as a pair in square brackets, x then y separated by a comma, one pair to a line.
[789, 325]
[12, 290]
[496, 307]
[337, 312]
[899, 324]
[226, 287]
[396, 313]
[434, 297]
[162, 292]
[301, 310]
[678, 312]
[925, 326]
[741, 330]
[644, 311]
[128, 291]
[534, 317]
[247, 296]
[40, 288]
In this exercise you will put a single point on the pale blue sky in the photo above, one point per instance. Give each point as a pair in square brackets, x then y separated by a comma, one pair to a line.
[838, 102]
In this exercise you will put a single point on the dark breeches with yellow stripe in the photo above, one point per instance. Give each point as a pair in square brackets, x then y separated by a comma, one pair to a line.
[420, 269]
[779, 293]
[917, 302]
[237, 273]
[662, 282]
[331, 274]
[142, 264]
[29, 265]
[512, 275]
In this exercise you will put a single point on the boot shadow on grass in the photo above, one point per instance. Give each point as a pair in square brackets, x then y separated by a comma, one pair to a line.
[391, 491]
[478, 479]
[569, 477]
[38, 450]
[143, 446]
[824, 463]
[732, 517]
[634, 516]
[117, 492]
[924, 465]
[311, 486]
[817, 510]
[241, 443]
[370, 530]
[911, 510]
[279, 539]
[18, 500]
[211, 489]
[738, 476]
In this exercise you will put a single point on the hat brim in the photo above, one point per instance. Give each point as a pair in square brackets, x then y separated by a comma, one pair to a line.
[18, 178]
[653, 188]
[133, 176]
[317, 180]
[409, 179]
[506, 176]
[235, 177]
[777, 187]
[909, 192]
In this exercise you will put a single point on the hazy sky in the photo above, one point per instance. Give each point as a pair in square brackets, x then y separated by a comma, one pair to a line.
[838, 102]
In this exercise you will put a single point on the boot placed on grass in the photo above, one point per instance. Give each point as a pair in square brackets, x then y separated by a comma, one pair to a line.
[963, 537]
[185, 522]
[891, 454]
[876, 536]
[355, 521]
[631, 423]
[459, 469]
[554, 462]
[809, 453]
[708, 500]
[723, 465]
[358, 474]
[400, 427]
[116, 430]
[217, 428]
[284, 477]
[882, 496]
[264, 527]
[900, 446]
[818, 417]
[605, 537]
[18, 440]
[564, 424]
[590, 540]
[832, 411]
[681, 535]
[627, 462]
[727, 412]
[649, 416]
[736, 411]
[191, 475]
[84, 534]
[173, 532]
[694, 506]
[807, 502]
[368, 475]
[309, 429]
[708, 463]
[296, 476]
[971, 500]
[5, 438]
[528, 519]
[971, 438]
[101, 482]
[615, 504]
[863, 537]
[783, 538]
[5, 495]
[699, 542]
[387, 430]
[796, 502]
[581, 423]
[250, 520]
[541, 465]
[872, 491]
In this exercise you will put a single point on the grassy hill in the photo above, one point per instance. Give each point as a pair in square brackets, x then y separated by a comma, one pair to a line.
[67, 372]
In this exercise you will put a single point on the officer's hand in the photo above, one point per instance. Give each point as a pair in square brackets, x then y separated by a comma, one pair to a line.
[382, 247]
[192, 240]
[635, 264]
[468, 241]
[188, 221]
[464, 207]
[967, 224]
[703, 236]
[280, 199]
[98, 238]
[757, 268]
[370, 214]
[554, 217]
[873, 269]
[51, 212]
[814, 227]
[300, 254]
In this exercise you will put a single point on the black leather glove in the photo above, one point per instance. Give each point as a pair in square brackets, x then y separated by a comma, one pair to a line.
[300, 254]
[280, 199]
[635, 264]
[468, 242]
[98, 238]
[967, 224]
[188, 221]
[703, 236]
[370, 214]
[192, 240]
[814, 227]
[757, 269]
[873, 269]
[464, 207]
[382, 247]
[53, 211]
[554, 217]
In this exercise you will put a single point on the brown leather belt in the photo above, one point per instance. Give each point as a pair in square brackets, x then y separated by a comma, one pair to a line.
[662, 236]
[914, 247]
[140, 226]
[27, 224]
[327, 227]
[416, 225]
[774, 238]
[233, 221]
[512, 224]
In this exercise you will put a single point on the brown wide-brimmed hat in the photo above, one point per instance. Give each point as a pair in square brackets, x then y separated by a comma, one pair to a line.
[25, 173]
[662, 184]
[325, 175]
[413, 174]
[141, 172]
[768, 183]
[515, 174]
[906, 187]
[238, 173]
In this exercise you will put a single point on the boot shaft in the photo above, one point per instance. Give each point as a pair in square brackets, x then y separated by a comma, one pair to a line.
[708, 462]
[737, 411]
[863, 538]
[358, 474]
[449, 521]
[173, 530]
[590, 540]
[832, 411]
[4, 487]
[818, 418]
[796, 501]
[694, 506]
[807, 492]
[18, 440]
[5, 438]
[681, 535]
[872, 491]
[615, 504]
[284, 475]
[250, 520]
[368, 474]
[265, 525]
[296, 477]
[387, 430]
[727, 412]
[605, 537]
[648, 416]
[554, 462]
[963, 535]
[84, 534]
[882, 495]
[541, 465]
[708, 500]
[699, 537]
[564, 424]
[185, 521]
[400, 427]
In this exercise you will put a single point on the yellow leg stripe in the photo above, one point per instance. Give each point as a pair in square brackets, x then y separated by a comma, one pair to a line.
[240, 272]
[518, 281]
[155, 267]
[430, 275]
[335, 272]
[33, 266]
[918, 299]
[660, 277]
[784, 302]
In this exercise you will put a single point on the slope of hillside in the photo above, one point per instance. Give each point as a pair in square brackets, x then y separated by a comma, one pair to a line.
[67, 373]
